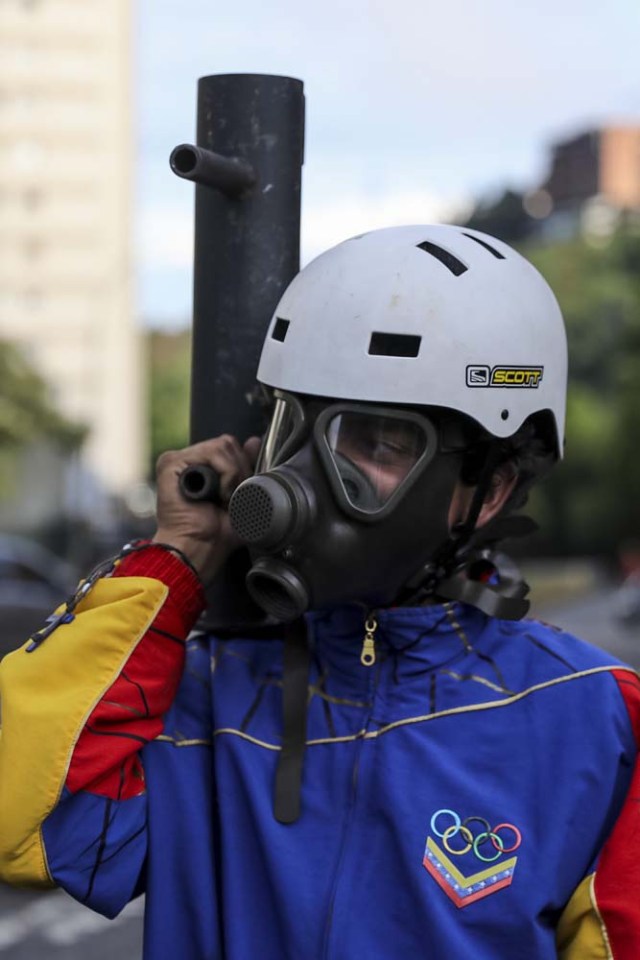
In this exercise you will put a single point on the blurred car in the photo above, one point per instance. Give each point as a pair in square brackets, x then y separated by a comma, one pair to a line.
[33, 582]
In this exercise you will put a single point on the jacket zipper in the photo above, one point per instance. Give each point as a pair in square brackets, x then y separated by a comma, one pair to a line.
[368, 659]
[368, 652]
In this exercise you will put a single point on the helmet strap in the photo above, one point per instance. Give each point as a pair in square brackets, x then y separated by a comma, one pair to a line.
[464, 530]
[452, 553]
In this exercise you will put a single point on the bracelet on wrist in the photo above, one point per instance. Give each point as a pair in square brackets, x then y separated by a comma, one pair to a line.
[103, 569]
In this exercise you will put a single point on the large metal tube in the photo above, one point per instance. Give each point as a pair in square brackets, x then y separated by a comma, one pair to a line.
[247, 250]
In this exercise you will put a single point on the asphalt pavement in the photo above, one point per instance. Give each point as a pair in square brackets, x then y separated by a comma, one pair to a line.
[53, 925]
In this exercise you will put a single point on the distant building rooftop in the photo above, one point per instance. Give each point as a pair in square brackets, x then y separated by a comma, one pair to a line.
[602, 163]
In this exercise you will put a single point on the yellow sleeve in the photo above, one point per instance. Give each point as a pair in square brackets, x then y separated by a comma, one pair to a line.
[46, 698]
[581, 933]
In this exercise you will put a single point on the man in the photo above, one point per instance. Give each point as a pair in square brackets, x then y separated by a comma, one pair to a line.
[413, 771]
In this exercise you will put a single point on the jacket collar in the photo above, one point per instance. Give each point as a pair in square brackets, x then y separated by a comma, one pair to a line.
[416, 638]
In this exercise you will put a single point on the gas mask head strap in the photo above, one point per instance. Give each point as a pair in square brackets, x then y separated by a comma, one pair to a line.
[494, 602]
[295, 680]
[453, 550]
[465, 530]
[451, 555]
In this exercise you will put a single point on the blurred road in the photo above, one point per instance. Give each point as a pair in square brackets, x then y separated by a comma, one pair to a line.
[53, 925]
[592, 619]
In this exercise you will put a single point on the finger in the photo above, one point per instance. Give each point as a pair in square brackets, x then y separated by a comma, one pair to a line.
[224, 454]
[227, 458]
[252, 449]
[221, 449]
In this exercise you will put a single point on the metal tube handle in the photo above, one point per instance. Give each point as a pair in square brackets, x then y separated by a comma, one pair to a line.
[232, 175]
[200, 482]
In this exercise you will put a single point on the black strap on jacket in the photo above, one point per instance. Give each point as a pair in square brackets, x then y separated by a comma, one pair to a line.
[295, 681]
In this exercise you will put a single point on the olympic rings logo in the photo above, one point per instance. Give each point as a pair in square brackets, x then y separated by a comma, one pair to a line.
[505, 838]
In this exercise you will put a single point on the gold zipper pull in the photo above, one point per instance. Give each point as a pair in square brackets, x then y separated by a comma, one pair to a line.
[368, 652]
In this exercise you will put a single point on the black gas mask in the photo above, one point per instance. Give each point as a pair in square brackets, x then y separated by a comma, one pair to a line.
[349, 501]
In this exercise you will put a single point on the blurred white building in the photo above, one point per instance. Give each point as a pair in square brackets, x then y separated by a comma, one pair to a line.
[65, 174]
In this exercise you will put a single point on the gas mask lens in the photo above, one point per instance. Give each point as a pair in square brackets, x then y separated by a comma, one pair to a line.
[374, 455]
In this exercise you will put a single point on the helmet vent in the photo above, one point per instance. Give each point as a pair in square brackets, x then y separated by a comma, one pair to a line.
[450, 262]
[487, 246]
[394, 344]
[280, 329]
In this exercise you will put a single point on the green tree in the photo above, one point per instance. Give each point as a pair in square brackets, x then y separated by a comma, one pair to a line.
[26, 410]
[169, 365]
[591, 503]
[503, 216]
[27, 415]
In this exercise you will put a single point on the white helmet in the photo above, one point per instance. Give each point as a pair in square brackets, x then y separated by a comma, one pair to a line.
[424, 315]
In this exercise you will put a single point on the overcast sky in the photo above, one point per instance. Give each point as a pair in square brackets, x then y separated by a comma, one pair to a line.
[413, 106]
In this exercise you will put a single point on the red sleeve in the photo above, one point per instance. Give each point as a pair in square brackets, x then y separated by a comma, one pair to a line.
[617, 879]
[105, 759]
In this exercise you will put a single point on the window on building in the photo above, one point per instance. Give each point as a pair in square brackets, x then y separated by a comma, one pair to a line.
[33, 248]
[32, 298]
[32, 198]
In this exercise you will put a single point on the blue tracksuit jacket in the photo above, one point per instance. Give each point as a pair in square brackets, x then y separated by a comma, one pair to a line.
[472, 794]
